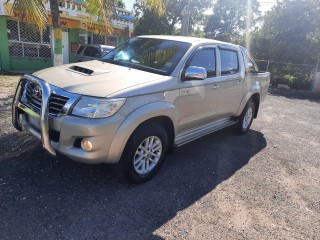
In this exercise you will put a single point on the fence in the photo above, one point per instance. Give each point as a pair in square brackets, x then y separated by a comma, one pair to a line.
[298, 76]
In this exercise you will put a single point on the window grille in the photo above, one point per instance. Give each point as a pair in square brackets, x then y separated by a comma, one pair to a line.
[105, 40]
[111, 40]
[27, 41]
[98, 39]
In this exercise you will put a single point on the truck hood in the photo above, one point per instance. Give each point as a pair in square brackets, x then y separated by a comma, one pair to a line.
[95, 78]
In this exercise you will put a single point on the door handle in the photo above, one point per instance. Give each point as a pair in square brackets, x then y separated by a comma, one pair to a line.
[215, 87]
[240, 82]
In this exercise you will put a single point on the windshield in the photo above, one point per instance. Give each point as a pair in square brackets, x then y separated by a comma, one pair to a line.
[148, 54]
[106, 49]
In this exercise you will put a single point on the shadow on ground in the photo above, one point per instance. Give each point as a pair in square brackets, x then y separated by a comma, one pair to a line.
[294, 94]
[46, 198]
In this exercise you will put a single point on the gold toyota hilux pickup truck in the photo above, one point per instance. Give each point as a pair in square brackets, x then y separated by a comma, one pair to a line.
[139, 101]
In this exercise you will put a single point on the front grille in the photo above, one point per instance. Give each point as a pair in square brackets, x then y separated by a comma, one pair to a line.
[56, 103]
[34, 99]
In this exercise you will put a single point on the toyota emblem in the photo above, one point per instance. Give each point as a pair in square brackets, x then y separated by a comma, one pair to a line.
[36, 92]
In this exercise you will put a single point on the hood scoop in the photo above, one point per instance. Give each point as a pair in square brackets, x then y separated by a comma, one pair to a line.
[86, 71]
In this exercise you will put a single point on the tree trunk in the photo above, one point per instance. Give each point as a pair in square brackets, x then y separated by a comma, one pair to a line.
[57, 32]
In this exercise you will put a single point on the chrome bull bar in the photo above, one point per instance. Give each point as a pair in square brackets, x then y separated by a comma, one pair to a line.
[44, 112]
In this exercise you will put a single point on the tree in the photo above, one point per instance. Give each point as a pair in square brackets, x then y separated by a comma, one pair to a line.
[290, 30]
[57, 32]
[232, 19]
[290, 34]
[120, 4]
[149, 23]
[34, 12]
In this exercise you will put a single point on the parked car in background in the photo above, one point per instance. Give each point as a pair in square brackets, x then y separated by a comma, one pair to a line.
[87, 52]
[141, 100]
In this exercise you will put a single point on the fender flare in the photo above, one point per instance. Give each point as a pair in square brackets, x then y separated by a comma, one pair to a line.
[246, 98]
[133, 120]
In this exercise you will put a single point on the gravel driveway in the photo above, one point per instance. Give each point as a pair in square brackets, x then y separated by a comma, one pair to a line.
[262, 185]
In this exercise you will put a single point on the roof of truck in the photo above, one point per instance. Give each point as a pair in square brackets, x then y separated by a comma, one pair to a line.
[185, 39]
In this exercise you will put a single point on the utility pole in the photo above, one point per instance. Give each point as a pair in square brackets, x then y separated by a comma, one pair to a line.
[316, 82]
[185, 20]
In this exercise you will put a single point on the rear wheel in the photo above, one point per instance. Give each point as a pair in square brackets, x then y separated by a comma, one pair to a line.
[246, 118]
[144, 153]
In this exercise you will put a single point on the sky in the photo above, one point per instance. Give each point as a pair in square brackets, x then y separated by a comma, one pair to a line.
[265, 5]
[129, 4]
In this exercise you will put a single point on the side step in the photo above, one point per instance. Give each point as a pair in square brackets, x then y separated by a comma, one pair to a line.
[203, 130]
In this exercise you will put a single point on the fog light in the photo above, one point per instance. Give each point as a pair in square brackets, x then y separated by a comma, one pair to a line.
[86, 145]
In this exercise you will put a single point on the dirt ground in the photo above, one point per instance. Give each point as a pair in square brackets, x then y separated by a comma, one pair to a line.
[8, 85]
[262, 185]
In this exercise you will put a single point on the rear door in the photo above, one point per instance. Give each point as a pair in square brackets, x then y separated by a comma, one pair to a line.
[231, 81]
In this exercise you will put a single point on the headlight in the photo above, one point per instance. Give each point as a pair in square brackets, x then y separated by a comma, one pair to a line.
[97, 107]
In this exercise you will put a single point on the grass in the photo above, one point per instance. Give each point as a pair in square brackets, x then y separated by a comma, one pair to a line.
[7, 76]
[5, 85]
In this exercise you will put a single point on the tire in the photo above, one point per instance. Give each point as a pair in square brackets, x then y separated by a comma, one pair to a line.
[139, 162]
[246, 118]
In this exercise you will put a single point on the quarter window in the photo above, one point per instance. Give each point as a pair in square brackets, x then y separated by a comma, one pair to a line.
[229, 62]
[205, 58]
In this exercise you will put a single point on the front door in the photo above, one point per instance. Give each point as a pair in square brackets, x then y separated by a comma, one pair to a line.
[198, 98]
[65, 47]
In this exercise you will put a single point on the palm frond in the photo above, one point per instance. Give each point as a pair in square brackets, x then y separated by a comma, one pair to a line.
[157, 6]
[100, 11]
[31, 11]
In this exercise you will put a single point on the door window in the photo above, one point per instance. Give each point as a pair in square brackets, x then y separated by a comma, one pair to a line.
[229, 62]
[205, 58]
[91, 51]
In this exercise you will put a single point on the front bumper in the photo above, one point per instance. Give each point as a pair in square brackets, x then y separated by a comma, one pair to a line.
[63, 133]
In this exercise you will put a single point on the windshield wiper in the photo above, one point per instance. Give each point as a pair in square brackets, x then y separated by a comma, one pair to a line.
[129, 64]
[117, 62]
[148, 69]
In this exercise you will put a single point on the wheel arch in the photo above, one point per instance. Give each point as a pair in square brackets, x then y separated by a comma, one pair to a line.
[163, 113]
[168, 126]
[256, 100]
[255, 97]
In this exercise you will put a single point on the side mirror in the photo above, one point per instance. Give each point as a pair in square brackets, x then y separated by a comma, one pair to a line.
[98, 55]
[195, 73]
[250, 66]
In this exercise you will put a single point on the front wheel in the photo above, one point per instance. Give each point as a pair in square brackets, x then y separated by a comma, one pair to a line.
[246, 118]
[144, 153]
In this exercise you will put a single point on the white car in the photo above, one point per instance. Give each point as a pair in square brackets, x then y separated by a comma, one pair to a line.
[92, 52]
